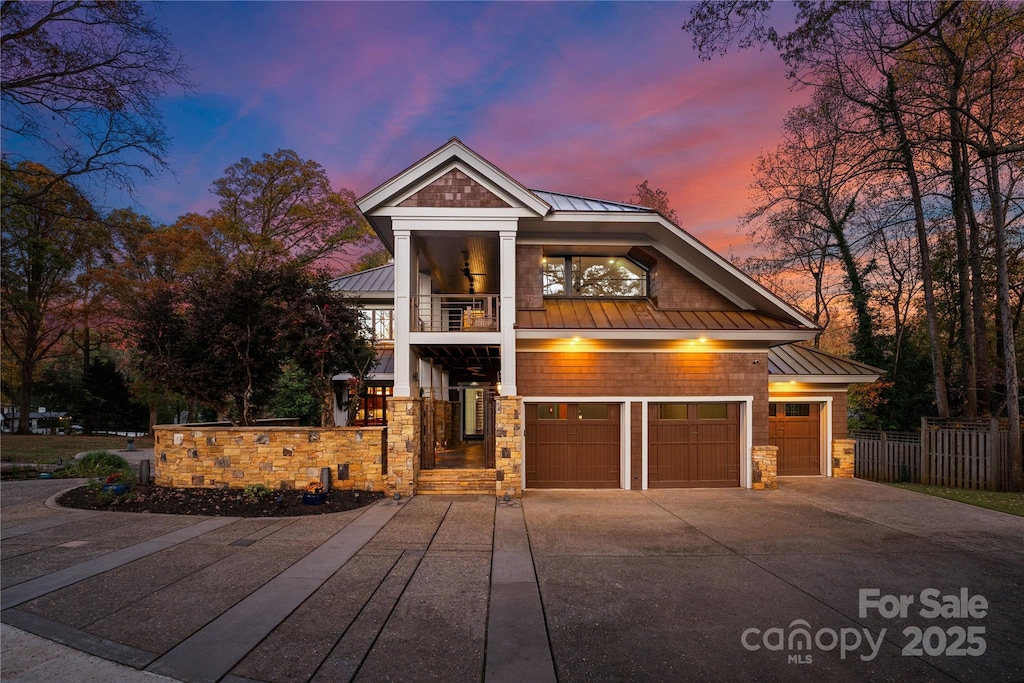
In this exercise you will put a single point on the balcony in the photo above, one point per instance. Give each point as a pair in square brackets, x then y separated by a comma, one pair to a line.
[455, 313]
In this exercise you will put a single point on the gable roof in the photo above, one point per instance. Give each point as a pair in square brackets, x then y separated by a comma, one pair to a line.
[452, 154]
[792, 362]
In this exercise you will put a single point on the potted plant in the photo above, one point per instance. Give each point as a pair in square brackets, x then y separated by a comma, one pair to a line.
[314, 493]
[115, 484]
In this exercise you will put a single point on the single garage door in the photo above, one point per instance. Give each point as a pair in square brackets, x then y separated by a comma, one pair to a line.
[795, 428]
[693, 445]
[572, 445]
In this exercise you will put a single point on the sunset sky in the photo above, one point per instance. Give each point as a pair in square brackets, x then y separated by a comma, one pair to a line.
[581, 98]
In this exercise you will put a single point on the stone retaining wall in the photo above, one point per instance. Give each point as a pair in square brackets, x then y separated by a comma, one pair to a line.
[277, 457]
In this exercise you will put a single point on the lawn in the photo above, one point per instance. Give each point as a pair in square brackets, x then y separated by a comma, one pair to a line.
[42, 448]
[1012, 503]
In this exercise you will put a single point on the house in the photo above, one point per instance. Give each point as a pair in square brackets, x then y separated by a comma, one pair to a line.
[547, 340]
[42, 421]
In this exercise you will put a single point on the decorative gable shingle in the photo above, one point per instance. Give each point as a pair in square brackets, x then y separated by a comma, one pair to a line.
[456, 189]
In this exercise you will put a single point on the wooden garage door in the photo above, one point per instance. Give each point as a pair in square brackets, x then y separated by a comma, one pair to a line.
[572, 445]
[795, 429]
[693, 445]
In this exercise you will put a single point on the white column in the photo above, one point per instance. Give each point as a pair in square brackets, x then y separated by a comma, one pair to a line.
[507, 254]
[403, 293]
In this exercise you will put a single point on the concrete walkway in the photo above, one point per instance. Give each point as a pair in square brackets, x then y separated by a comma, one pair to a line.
[618, 585]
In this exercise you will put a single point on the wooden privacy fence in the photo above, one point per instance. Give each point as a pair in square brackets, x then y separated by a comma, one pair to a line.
[957, 453]
[887, 456]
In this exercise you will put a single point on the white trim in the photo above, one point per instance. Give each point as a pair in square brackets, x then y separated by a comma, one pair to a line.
[824, 379]
[507, 311]
[454, 338]
[824, 427]
[626, 448]
[401, 323]
[455, 223]
[451, 212]
[644, 455]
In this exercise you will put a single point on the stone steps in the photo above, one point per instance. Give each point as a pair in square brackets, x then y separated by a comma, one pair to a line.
[454, 482]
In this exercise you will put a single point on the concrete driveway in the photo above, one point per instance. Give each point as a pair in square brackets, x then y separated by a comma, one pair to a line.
[660, 585]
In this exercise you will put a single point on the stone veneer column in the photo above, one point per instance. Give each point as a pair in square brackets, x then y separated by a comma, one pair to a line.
[403, 445]
[442, 418]
[765, 466]
[508, 446]
[842, 458]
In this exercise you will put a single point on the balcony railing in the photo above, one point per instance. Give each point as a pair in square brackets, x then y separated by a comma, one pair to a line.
[455, 313]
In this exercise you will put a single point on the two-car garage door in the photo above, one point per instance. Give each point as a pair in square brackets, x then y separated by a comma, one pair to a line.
[577, 445]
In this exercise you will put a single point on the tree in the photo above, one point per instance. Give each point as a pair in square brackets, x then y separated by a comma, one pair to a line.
[43, 245]
[375, 258]
[82, 79]
[229, 334]
[293, 396]
[282, 209]
[654, 198]
[810, 184]
[327, 337]
[942, 83]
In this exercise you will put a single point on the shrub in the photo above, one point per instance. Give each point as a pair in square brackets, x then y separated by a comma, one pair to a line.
[254, 493]
[99, 464]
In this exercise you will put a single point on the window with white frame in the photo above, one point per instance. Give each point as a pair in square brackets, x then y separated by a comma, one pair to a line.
[379, 323]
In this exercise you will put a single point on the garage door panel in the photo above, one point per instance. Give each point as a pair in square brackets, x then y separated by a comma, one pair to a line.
[795, 428]
[696, 445]
[579, 449]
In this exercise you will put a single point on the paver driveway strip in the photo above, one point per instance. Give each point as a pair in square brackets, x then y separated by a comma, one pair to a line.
[616, 585]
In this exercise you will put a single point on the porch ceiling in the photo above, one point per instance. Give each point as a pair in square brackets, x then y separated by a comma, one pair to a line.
[446, 255]
[465, 363]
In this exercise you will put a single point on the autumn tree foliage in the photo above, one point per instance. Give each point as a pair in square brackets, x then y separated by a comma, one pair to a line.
[930, 153]
[44, 246]
[282, 208]
[654, 198]
[221, 303]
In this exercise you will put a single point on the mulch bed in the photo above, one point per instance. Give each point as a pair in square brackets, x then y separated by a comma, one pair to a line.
[213, 502]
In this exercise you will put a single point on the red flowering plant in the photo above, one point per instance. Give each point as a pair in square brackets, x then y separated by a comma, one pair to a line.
[314, 487]
[115, 478]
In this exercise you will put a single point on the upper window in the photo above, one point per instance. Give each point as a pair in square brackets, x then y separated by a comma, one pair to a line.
[379, 322]
[593, 276]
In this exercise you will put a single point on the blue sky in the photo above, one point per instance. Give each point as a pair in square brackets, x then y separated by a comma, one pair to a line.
[573, 97]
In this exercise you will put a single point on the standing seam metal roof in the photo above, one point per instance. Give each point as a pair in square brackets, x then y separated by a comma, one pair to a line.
[793, 359]
[380, 279]
[572, 202]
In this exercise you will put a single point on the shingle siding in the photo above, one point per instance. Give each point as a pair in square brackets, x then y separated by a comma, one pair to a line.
[649, 374]
[456, 190]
